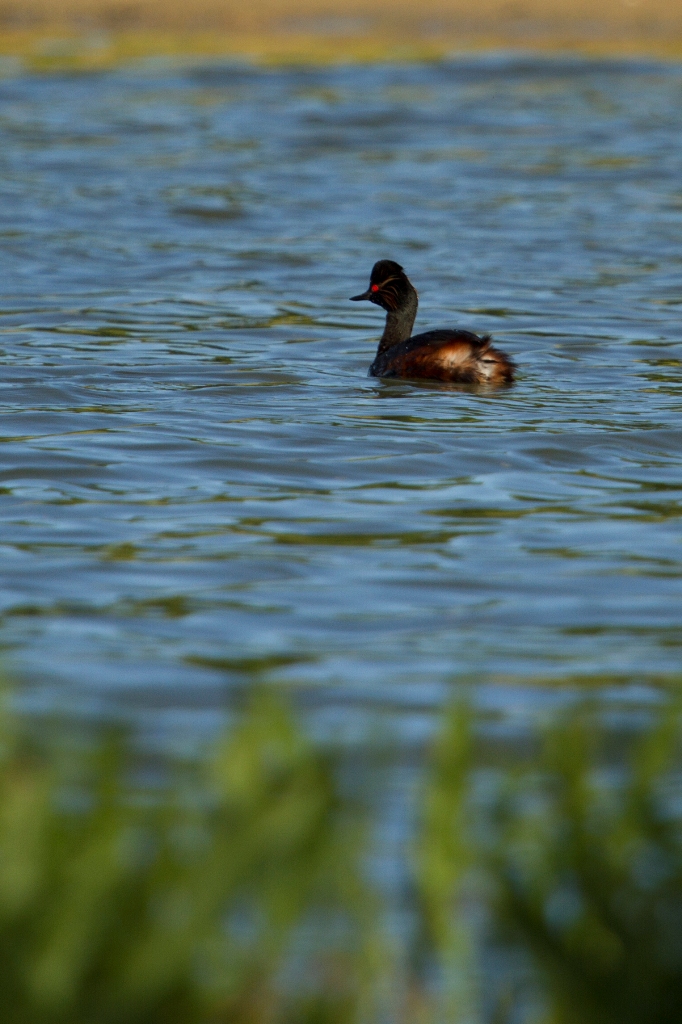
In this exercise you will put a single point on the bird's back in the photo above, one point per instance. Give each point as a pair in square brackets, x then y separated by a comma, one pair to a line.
[448, 354]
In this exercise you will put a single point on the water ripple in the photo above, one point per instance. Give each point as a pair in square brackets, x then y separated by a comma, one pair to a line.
[200, 484]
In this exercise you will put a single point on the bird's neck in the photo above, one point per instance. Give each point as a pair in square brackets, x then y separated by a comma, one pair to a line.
[399, 323]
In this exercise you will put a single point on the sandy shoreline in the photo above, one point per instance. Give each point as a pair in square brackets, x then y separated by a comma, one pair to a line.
[92, 33]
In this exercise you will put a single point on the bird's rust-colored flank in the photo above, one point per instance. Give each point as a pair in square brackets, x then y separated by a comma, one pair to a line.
[458, 356]
[449, 354]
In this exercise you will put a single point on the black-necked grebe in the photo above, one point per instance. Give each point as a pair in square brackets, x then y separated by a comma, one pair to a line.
[448, 354]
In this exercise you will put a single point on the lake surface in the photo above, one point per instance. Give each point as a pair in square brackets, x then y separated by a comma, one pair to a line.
[200, 485]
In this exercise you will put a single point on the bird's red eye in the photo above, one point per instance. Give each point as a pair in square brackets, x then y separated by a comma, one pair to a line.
[374, 288]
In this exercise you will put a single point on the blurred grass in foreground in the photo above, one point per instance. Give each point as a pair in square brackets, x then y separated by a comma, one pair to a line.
[581, 850]
[239, 888]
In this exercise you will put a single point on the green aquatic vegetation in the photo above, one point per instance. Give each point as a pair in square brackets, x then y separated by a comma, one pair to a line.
[589, 867]
[577, 849]
[230, 894]
[237, 887]
[445, 861]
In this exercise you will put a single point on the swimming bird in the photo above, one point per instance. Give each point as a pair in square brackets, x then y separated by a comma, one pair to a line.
[447, 354]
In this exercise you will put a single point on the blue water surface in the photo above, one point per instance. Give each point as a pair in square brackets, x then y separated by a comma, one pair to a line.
[200, 485]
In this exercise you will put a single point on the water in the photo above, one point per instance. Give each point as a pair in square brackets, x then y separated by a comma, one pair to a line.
[199, 481]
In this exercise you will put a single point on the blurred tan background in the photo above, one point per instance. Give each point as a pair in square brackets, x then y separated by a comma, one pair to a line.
[359, 27]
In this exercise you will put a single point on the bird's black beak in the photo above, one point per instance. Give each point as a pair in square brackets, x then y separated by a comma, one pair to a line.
[359, 298]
